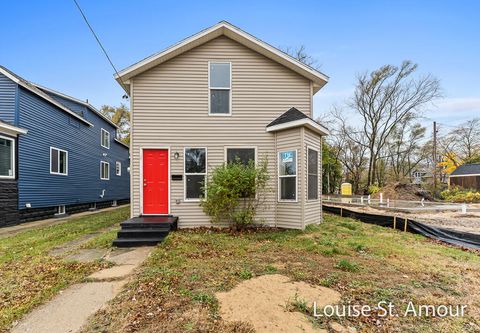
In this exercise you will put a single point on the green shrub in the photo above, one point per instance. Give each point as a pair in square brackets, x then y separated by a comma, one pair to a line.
[346, 265]
[235, 192]
[456, 194]
[372, 189]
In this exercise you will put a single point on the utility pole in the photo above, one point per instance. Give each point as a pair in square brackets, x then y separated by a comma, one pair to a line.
[435, 156]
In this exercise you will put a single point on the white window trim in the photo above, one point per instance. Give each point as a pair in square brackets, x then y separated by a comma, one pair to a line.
[101, 138]
[101, 168]
[285, 176]
[318, 173]
[240, 147]
[185, 174]
[14, 156]
[118, 172]
[66, 166]
[220, 88]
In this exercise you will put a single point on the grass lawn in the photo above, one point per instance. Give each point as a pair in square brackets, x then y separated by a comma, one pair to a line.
[29, 275]
[175, 290]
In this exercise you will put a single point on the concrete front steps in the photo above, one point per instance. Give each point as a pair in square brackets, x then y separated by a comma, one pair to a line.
[145, 230]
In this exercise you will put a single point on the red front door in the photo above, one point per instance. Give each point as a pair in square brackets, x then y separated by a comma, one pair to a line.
[155, 181]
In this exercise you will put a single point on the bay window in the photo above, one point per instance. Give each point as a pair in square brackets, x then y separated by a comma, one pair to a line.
[312, 171]
[287, 174]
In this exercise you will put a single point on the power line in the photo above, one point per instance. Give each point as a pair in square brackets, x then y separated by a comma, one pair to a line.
[100, 43]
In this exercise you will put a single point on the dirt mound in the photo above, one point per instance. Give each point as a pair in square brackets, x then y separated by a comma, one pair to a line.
[403, 191]
[263, 303]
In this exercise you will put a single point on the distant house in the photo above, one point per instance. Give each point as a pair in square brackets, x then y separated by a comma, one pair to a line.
[58, 155]
[213, 98]
[466, 176]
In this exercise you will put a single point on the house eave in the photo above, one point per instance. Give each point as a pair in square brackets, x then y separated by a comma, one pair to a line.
[11, 129]
[121, 142]
[306, 122]
[79, 101]
[226, 29]
[32, 88]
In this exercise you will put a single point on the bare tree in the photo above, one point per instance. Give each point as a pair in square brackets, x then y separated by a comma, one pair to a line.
[384, 99]
[353, 156]
[301, 55]
[467, 139]
[405, 150]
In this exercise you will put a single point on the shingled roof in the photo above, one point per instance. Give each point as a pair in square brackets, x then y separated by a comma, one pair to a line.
[291, 115]
[466, 170]
[294, 118]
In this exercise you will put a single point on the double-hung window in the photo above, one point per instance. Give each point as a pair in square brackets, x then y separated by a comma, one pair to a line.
[195, 173]
[240, 155]
[7, 157]
[104, 170]
[105, 138]
[220, 86]
[118, 168]
[58, 161]
[312, 171]
[287, 174]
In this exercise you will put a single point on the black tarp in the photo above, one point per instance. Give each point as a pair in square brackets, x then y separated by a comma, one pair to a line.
[459, 238]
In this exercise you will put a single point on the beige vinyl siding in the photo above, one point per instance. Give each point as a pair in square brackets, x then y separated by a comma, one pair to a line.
[313, 208]
[289, 214]
[170, 108]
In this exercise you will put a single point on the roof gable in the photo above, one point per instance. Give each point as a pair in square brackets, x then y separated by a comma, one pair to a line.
[223, 28]
[467, 169]
[34, 89]
[295, 118]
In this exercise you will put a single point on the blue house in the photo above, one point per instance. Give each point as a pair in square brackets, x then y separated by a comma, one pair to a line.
[58, 155]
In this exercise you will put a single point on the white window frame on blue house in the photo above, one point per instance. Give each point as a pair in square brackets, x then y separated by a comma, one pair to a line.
[13, 157]
[118, 168]
[58, 162]
[103, 143]
[102, 163]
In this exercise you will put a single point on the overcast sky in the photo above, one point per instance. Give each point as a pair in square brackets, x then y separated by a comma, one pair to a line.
[47, 42]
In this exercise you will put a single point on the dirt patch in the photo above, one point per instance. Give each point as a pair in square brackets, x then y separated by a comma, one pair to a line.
[402, 191]
[264, 302]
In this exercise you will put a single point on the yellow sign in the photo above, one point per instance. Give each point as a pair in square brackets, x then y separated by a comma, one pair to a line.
[346, 189]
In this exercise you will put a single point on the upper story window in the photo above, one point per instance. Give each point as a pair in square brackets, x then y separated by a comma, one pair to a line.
[105, 138]
[58, 161]
[220, 86]
[7, 157]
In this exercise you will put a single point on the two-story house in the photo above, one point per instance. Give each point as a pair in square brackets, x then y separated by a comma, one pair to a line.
[58, 155]
[219, 95]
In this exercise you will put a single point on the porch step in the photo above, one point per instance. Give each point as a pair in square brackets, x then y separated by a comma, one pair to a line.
[145, 230]
[134, 242]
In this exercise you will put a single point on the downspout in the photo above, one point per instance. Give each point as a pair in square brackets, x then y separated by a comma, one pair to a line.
[303, 175]
[276, 182]
[130, 152]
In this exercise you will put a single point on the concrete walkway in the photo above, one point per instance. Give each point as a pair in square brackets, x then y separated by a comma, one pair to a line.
[70, 310]
[10, 231]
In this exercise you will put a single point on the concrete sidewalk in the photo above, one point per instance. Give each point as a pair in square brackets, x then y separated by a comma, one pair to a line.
[10, 231]
[71, 308]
